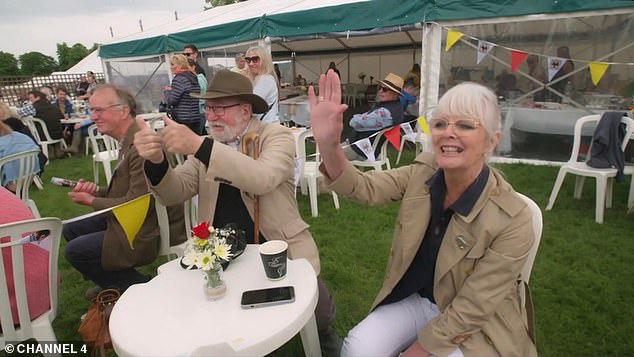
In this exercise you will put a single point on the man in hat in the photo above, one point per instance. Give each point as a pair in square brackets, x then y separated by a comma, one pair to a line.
[387, 112]
[227, 180]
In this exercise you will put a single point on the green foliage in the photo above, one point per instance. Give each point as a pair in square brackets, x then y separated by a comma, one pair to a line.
[214, 3]
[69, 56]
[8, 64]
[581, 279]
[36, 63]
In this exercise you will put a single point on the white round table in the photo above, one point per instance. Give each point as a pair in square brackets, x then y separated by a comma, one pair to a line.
[170, 316]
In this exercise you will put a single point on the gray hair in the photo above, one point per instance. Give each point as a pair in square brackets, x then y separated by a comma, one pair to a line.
[474, 101]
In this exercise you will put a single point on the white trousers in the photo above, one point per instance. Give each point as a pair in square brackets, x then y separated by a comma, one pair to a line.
[390, 329]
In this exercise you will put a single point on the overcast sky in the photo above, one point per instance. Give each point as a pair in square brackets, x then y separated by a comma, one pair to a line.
[37, 25]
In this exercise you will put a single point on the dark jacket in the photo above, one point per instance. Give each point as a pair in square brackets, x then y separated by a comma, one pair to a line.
[51, 115]
[606, 151]
[184, 108]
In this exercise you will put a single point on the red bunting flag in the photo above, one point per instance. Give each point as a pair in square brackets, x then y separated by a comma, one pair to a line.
[517, 57]
[394, 137]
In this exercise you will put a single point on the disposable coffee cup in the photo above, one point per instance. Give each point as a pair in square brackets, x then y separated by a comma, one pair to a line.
[274, 259]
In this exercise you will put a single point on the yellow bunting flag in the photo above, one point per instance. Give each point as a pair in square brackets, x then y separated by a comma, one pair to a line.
[597, 70]
[131, 216]
[422, 122]
[452, 38]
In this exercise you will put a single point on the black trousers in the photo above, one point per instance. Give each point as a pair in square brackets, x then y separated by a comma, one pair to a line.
[83, 251]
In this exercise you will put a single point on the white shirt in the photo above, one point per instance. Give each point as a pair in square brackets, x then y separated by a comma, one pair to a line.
[266, 87]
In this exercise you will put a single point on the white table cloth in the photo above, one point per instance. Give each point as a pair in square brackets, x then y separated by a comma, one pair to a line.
[296, 109]
[170, 315]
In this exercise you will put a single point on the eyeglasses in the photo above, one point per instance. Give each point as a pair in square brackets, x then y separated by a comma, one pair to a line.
[254, 59]
[187, 54]
[460, 126]
[384, 89]
[219, 109]
[99, 110]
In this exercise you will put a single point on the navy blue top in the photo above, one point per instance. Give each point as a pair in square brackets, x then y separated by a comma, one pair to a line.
[419, 277]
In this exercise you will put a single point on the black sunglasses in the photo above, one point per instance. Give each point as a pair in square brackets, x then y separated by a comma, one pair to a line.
[188, 54]
[254, 59]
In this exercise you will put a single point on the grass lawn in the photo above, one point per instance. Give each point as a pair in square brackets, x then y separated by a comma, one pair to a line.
[581, 280]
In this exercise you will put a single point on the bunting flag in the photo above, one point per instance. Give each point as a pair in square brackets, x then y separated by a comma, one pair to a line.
[422, 121]
[554, 65]
[484, 48]
[597, 70]
[407, 129]
[517, 58]
[452, 37]
[394, 137]
[131, 216]
[366, 147]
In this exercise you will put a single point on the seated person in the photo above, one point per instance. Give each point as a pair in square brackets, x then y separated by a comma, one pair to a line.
[226, 180]
[451, 288]
[387, 112]
[97, 246]
[408, 97]
[9, 117]
[40, 107]
[13, 142]
[63, 102]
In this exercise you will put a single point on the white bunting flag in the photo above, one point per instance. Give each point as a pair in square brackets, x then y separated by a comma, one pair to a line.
[366, 147]
[407, 129]
[484, 48]
[554, 65]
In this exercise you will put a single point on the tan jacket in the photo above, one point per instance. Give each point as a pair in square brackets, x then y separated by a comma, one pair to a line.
[128, 183]
[270, 177]
[479, 261]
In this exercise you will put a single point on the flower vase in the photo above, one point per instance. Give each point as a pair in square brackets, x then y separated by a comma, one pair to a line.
[214, 286]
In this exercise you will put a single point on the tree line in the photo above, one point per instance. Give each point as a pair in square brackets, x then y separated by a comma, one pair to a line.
[37, 63]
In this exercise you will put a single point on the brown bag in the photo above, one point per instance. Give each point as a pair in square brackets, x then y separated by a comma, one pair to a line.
[94, 326]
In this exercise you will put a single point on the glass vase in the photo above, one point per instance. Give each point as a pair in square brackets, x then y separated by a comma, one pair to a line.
[214, 287]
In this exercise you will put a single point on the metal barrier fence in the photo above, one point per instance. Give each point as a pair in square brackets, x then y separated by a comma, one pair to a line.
[14, 89]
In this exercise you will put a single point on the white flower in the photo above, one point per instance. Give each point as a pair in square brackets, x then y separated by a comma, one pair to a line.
[206, 260]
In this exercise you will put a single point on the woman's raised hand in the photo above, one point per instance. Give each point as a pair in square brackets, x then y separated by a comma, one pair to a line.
[326, 111]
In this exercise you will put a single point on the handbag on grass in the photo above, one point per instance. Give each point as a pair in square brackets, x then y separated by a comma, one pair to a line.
[94, 326]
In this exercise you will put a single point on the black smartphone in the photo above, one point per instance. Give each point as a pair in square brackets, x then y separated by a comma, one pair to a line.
[267, 297]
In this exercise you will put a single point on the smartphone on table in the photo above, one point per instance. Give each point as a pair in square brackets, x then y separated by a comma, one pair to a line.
[267, 297]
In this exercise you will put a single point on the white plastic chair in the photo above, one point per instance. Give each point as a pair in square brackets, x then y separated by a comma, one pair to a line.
[105, 153]
[525, 275]
[418, 137]
[629, 170]
[28, 167]
[41, 327]
[604, 177]
[166, 249]
[381, 158]
[309, 171]
[44, 142]
[537, 229]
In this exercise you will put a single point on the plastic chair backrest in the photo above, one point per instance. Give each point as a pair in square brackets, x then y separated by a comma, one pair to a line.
[165, 248]
[41, 124]
[537, 229]
[109, 143]
[27, 329]
[28, 166]
[594, 119]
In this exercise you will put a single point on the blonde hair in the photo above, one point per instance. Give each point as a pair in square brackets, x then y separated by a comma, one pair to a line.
[6, 112]
[266, 62]
[180, 61]
[474, 101]
[4, 129]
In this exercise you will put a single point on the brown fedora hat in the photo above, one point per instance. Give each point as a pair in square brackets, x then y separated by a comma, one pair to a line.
[227, 84]
[393, 82]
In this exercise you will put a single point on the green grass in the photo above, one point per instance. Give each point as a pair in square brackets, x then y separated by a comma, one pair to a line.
[581, 280]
